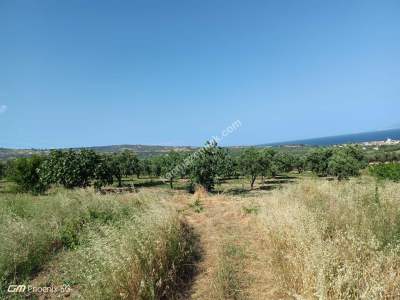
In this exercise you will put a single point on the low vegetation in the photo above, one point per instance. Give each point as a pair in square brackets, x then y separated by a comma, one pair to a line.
[328, 240]
[106, 246]
[265, 223]
[389, 171]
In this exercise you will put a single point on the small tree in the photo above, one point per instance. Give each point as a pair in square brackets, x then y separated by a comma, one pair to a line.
[130, 163]
[103, 173]
[156, 166]
[69, 168]
[266, 163]
[170, 166]
[343, 165]
[346, 162]
[145, 165]
[283, 162]
[207, 165]
[317, 161]
[249, 161]
[25, 173]
[228, 166]
[299, 163]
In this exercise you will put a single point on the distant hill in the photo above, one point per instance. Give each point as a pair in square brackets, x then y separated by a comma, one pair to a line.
[383, 135]
[148, 151]
[141, 150]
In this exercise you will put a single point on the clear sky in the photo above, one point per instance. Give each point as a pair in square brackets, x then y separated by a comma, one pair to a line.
[83, 73]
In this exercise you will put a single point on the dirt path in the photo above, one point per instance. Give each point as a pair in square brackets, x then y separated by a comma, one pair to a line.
[230, 242]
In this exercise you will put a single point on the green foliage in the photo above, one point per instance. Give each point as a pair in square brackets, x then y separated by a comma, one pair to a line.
[70, 168]
[390, 171]
[343, 166]
[317, 161]
[170, 166]
[266, 162]
[346, 162]
[2, 169]
[123, 164]
[39, 226]
[197, 206]
[156, 166]
[254, 162]
[249, 164]
[25, 173]
[299, 163]
[103, 173]
[228, 165]
[206, 165]
[251, 209]
[146, 166]
[283, 162]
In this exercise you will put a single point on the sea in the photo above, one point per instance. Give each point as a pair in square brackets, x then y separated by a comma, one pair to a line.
[383, 135]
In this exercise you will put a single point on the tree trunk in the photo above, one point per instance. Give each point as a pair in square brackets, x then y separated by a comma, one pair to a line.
[170, 184]
[253, 179]
[119, 181]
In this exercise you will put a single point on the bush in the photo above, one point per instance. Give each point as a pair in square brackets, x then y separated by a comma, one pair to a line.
[343, 166]
[317, 161]
[389, 171]
[70, 168]
[207, 165]
[25, 173]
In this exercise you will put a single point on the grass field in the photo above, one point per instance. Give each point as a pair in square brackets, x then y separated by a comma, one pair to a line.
[292, 237]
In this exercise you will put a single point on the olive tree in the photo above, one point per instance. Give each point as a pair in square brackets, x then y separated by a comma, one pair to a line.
[266, 157]
[207, 164]
[283, 162]
[25, 173]
[317, 161]
[170, 166]
[69, 168]
[104, 172]
[346, 162]
[250, 165]
[299, 163]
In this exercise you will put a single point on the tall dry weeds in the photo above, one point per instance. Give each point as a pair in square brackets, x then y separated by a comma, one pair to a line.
[334, 240]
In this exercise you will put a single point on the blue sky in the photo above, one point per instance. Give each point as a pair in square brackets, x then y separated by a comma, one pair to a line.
[83, 73]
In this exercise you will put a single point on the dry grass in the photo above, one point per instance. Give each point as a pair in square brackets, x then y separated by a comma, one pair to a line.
[330, 240]
[310, 240]
[131, 246]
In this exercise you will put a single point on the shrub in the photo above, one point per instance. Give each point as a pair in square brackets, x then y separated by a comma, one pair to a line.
[389, 171]
[25, 173]
[317, 161]
[343, 166]
[70, 168]
[250, 162]
[207, 165]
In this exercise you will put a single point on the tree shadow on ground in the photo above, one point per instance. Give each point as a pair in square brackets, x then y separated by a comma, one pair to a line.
[285, 177]
[278, 181]
[269, 187]
[148, 183]
[190, 270]
[236, 191]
